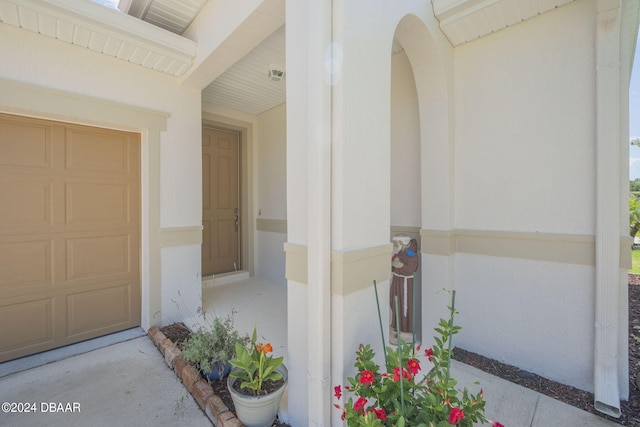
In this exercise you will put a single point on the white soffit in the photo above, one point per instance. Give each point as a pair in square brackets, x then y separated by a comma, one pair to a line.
[465, 20]
[246, 86]
[102, 30]
[172, 15]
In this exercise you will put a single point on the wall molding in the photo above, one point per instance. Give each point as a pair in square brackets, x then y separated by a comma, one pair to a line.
[296, 268]
[271, 225]
[563, 248]
[351, 270]
[354, 270]
[181, 236]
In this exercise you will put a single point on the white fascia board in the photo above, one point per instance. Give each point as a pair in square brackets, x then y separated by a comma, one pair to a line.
[465, 20]
[100, 20]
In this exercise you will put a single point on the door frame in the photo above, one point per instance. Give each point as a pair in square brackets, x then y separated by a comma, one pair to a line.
[247, 217]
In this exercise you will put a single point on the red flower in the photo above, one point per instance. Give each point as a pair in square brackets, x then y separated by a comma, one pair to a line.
[366, 377]
[496, 424]
[455, 416]
[337, 391]
[344, 413]
[428, 352]
[414, 366]
[359, 405]
[396, 374]
[380, 414]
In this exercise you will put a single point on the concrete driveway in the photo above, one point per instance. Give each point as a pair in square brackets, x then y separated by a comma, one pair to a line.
[124, 384]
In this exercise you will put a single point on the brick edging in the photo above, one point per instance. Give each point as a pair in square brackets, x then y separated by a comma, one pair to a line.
[213, 407]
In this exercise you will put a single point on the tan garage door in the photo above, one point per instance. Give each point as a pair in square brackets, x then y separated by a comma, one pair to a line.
[69, 234]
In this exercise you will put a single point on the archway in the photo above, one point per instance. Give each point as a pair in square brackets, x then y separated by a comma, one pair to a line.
[421, 124]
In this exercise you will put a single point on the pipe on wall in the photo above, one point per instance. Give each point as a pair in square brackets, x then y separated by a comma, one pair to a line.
[319, 18]
[608, 206]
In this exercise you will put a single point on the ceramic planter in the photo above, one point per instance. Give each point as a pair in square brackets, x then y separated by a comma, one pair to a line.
[218, 372]
[257, 411]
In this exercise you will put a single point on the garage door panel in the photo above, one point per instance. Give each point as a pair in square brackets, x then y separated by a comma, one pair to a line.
[90, 203]
[97, 151]
[26, 263]
[25, 144]
[69, 233]
[27, 324]
[95, 310]
[98, 256]
[25, 203]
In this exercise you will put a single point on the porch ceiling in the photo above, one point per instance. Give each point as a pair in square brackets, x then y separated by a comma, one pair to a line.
[149, 34]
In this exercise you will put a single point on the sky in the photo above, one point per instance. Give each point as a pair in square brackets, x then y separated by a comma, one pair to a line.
[634, 115]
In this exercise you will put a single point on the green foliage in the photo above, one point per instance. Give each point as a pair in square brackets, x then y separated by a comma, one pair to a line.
[399, 397]
[208, 346]
[634, 216]
[254, 366]
[635, 262]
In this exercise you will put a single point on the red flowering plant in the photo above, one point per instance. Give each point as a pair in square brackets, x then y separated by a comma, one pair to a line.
[403, 395]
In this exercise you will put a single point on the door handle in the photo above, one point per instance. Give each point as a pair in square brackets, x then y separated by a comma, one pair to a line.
[236, 217]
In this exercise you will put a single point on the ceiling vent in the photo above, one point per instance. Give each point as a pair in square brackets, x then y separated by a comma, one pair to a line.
[275, 73]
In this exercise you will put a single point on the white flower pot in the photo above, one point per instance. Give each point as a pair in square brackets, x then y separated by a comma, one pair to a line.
[257, 411]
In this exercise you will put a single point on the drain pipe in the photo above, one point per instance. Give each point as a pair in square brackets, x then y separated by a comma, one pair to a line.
[319, 214]
[608, 211]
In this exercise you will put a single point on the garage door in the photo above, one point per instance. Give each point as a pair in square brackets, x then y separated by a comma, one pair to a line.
[69, 234]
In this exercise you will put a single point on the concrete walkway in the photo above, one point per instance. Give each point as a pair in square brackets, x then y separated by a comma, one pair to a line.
[517, 406]
[124, 384]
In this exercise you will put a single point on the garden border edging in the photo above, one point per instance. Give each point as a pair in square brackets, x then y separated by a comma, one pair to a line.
[211, 404]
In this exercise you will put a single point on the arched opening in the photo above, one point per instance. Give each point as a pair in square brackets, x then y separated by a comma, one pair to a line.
[405, 195]
[421, 163]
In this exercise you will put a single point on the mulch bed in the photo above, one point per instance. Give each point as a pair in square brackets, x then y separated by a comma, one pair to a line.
[178, 333]
[567, 394]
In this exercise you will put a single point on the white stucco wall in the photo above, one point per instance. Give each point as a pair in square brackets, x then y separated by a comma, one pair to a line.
[525, 114]
[535, 315]
[271, 164]
[405, 145]
[525, 161]
[271, 192]
[42, 62]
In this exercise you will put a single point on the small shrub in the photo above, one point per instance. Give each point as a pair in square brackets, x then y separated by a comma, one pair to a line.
[210, 346]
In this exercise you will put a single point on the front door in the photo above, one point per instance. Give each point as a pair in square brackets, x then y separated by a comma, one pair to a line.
[220, 201]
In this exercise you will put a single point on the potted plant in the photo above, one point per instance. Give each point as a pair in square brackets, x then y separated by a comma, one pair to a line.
[257, 383]
[211, 348]
[401, 395]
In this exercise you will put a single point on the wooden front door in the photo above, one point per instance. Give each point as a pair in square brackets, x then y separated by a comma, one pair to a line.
[220, 201]
[69, 234]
